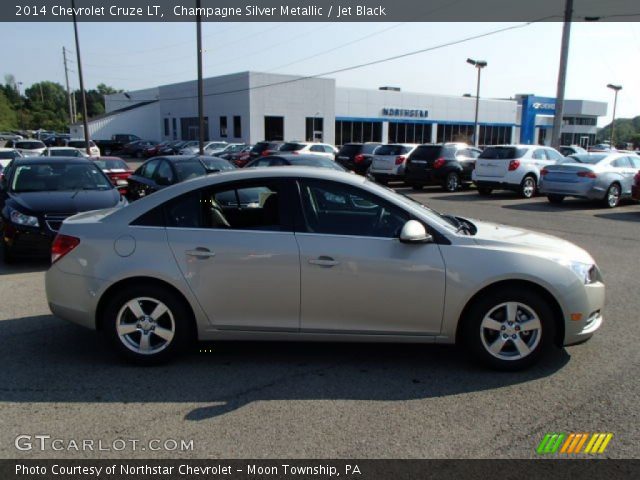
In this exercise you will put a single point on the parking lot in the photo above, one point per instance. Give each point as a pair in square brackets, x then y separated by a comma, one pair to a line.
[250, 400]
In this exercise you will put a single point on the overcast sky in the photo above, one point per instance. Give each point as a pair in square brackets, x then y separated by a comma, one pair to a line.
[524, 60]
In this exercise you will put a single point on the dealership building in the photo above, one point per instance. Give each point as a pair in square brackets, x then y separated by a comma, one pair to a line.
[250, 106]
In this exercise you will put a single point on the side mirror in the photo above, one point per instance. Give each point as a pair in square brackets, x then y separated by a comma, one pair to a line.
[414, 232]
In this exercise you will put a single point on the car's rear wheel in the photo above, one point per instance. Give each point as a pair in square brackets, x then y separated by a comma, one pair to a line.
[486, 191]
[528, 186]
[555, 198]
[612, 197]
[148, 324]
[509, 328]
[452, 182]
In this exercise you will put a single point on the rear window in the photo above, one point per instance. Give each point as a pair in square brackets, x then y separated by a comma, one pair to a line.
[291, 147]
[502, 153]
[351, 149]
[369, 147]
[112, 164]
[431, 152]
[190, 169]
[30, 145]
[586, 158]
[392, 150]
[80, 143]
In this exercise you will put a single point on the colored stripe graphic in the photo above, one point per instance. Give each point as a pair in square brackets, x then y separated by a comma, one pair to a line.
[572, 443]
[550, 443]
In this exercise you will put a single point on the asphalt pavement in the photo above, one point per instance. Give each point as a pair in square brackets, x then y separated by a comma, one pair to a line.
[264, 400]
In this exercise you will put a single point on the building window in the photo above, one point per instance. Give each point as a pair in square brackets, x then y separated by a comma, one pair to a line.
[190, 128]
[358, 132]
[237, 127]
[166, 127]
[314, 129]
[223, 127]
[494, 135]
[174, 125]
[273, 129]
[409, 132]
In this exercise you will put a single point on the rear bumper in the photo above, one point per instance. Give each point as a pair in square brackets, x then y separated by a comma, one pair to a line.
[496, 185]
[72, 297]
[587, 191]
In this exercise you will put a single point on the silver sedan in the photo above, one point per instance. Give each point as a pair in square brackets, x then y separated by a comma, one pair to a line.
[311, 254]
[607, 177]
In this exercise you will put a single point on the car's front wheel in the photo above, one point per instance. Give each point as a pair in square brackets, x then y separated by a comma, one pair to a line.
[148, 324]
[509, 328]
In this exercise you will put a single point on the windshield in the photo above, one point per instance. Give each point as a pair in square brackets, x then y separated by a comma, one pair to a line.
[317, 162]
[291, 147]
[392, 150]
[58, 176]
[30, 145]
[80, 143]
[586, 158]
[217, 164]
[189, 169]
[112, 164]
[67, 152]
[502, 153]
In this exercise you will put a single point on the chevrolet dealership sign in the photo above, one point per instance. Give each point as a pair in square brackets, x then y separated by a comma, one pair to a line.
[405, 112]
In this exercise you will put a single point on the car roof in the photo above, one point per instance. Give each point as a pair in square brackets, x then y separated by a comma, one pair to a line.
[34, 160]
[61, 148]
[293, 156]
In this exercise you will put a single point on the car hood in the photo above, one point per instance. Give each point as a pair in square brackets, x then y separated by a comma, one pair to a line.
[548, 246]
[66, 202]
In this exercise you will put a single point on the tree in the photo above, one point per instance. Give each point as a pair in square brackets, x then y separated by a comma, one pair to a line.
[8, 118]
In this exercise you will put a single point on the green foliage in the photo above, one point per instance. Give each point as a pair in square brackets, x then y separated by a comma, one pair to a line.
[8, 117]
[627, 130]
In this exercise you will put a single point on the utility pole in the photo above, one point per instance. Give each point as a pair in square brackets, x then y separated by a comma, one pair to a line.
[616, 89]
[83, 96]
[200, 82]
[556, 136]
[66, 77]
[479, 64]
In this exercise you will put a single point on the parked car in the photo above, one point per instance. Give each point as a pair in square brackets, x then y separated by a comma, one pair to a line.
[171, 148]
[230, 150]
[193, 148]
[116, 143]
[136, 149]
[160, 172]
[567, 150]
[81, 144]
[607, 177]
[356, 156]
[309, 148]
[282, 159]
[512, 167]
[64, 152]
[8, 154]
[56, 140]
[154, 150]
[117, 170]
[4, 136]
[241, 158]
[216, 164]
[506, 294]
[37, 195]
[449, 165]
[262, 149]
[388, 162]
[28, 148]
[600, 147]
[635, 188]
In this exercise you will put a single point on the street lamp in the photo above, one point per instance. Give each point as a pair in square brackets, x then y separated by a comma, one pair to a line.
[479, 64]
[616, 89]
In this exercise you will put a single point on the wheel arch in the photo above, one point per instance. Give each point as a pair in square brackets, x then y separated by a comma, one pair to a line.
[558, 316]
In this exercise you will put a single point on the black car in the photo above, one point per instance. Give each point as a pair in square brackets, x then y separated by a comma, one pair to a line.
[160, 172]
[36, 195]
[356, 156]
[137, 148]
[171, 148]
[301, 160]
[262, 149]
[449, 165]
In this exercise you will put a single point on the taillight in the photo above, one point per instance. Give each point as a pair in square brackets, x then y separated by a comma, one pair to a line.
[62, 245]
[513, 165]
[439, 163]
[543, 172]
[587, 175]
[358, 158]
[400, 159]
[265, 153]
[296, 152]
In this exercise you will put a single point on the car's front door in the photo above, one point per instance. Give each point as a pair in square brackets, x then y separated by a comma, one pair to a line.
[235, 246]
[356, 276]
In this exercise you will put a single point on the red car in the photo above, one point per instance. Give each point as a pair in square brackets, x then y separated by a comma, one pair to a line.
[117, 170]
[635, 188]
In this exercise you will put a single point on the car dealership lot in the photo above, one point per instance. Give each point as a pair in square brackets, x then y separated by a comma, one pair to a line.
[334, 400]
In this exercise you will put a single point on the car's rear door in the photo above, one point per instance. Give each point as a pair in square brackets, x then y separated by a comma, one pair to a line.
[235, 246]
[356, 276]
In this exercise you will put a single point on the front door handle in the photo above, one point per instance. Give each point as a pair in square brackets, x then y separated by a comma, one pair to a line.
[200, 252]
[324, 261]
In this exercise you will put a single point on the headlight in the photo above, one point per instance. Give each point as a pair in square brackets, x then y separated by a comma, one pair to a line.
[122, 182]
[587, 272]
[22, 219]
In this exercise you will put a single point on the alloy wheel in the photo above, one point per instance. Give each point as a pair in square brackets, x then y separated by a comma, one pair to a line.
[528, 187]
[510, 331]
[613, 195]
[453, 183]
[145, 325]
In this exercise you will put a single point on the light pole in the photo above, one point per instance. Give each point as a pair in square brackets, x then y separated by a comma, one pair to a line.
[83, 97]
[479, 64]
[616, 89]
[556, 133]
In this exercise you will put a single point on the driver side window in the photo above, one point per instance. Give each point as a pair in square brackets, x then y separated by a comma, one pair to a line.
[337, 209]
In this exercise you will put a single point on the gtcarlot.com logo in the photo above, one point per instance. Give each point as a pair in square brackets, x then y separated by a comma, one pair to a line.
[574, 443]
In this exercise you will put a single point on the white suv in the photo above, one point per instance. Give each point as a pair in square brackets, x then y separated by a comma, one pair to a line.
[512, 167]
[309, 148]
[81, 145]
[389, 161]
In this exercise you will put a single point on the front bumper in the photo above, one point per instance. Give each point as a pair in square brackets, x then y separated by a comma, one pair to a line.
[587, 301]
[27, 242]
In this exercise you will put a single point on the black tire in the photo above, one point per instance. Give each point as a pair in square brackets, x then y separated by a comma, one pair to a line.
[528, 186]
[485, 191]
[610, 200]
[417, 187]
[474, 337]
[451, 182]
[553, 198]
[178, 310]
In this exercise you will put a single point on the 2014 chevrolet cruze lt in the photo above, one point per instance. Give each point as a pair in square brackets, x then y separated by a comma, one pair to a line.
[296, 253]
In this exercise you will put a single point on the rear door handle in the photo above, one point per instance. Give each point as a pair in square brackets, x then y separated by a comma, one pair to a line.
[324, 261]
[200, 252]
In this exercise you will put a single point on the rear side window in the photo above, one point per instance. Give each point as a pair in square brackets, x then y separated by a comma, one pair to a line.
[392, 150]
[502, 153]
[351, 149]
[623, 162]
